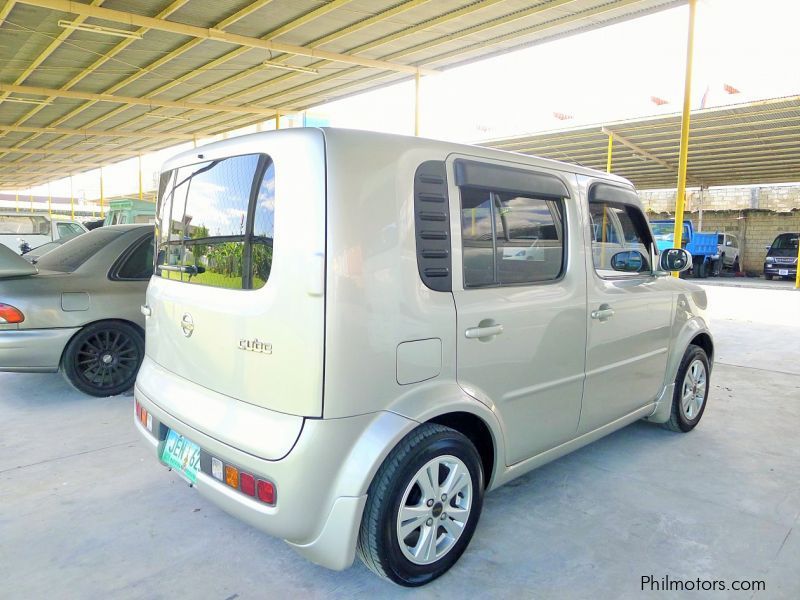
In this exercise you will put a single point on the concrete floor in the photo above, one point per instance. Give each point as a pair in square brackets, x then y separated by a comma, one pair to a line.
[85, 511]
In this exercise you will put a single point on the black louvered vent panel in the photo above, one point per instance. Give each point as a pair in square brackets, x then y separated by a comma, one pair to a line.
[432, 222]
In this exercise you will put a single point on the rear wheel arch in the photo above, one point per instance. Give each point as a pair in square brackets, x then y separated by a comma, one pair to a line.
[122, 353]
[85, 325]
[478, 432]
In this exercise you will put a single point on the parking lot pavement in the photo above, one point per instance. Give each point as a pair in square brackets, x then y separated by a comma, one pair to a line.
[86, 511]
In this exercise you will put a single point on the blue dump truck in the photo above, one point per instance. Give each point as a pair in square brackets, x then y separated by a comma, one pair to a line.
[702, 246]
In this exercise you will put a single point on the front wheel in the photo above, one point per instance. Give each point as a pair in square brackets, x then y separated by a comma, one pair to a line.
[691, 391]
[103, 358]
[422, 507]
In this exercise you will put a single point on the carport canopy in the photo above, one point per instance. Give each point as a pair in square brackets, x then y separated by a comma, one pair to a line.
[751, 143]
[85, 84]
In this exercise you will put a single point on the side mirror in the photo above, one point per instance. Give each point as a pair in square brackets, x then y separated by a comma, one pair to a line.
[675, 259]
[629, 261]
[767, 247]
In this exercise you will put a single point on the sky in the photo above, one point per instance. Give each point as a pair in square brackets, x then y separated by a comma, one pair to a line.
[600, 76]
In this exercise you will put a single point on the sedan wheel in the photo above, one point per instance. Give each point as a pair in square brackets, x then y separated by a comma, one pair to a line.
[104, 358]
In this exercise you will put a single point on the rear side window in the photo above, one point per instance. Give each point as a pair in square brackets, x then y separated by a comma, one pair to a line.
[510, 238]
[24, 225]
[139, 263]
[215, 222]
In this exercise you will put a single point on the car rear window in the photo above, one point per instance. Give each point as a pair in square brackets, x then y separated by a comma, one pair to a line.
[215, 222]
[72, 254]
[24, 225]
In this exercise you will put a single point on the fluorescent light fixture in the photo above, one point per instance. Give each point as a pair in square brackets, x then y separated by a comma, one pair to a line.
[124, 33]
[277, 65]
[166, 117]
[28, 101]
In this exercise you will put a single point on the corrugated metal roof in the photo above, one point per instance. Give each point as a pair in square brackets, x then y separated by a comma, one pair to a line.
[170, 66]
[752, 143]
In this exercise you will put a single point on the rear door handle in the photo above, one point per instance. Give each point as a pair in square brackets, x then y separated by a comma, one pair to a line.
[483, 332]
[604, 313]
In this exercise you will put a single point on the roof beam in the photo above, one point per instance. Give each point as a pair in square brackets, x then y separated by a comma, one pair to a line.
[235, 53]
[70, 152]
[215, 34]
[478, 29]
[98, 132]
[641, 151]
[149, 102]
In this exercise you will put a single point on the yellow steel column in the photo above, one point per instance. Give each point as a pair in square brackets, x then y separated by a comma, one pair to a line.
[277, 121]
[416, 103]
[684, 149]
[610, 151]
[797, 276]
[30, 190]
[71, 199]
[102, 195]
[49, 200]
[141, 191]
[16, 200]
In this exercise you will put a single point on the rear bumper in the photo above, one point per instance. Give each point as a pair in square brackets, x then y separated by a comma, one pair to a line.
[33, 350]
[320, 485]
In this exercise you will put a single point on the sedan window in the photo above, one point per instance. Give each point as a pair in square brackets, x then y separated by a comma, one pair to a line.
[72, 254]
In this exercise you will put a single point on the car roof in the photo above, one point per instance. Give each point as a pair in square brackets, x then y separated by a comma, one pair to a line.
[127, 227]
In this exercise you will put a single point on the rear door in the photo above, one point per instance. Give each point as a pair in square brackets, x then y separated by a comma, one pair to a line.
[520, 293]
[234, 301]
[629, 313]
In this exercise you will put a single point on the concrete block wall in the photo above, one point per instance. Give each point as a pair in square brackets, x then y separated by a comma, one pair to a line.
[755, 229]
[779, 198]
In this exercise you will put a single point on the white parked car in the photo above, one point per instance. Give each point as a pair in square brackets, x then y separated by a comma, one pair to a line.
[372, 331]
[728, 246]
[24, 231]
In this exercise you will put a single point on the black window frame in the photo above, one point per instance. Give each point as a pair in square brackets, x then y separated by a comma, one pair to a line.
[247, 238]
[625, 198]
[495, 192]
[113, 272]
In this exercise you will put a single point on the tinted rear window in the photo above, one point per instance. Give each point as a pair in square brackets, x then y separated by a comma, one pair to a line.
[72, 254]
[215, 222]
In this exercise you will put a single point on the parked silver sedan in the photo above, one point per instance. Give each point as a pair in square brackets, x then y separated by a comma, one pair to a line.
[77, 309]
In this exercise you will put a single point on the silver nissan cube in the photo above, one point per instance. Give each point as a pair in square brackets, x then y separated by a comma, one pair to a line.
[351, 336]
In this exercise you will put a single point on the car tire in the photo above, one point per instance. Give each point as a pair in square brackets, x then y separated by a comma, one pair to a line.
[430, 450]
[735, 266]
[102, 359]
[690, 396]
[767, 277]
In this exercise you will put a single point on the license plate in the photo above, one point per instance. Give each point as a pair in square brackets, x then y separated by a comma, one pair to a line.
[783, 271]
[182, 455]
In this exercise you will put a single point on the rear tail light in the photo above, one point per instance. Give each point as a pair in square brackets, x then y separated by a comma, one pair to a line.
[145, 418]
[266, 491]
[10, 314]
[247, 484]
[244, 482]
